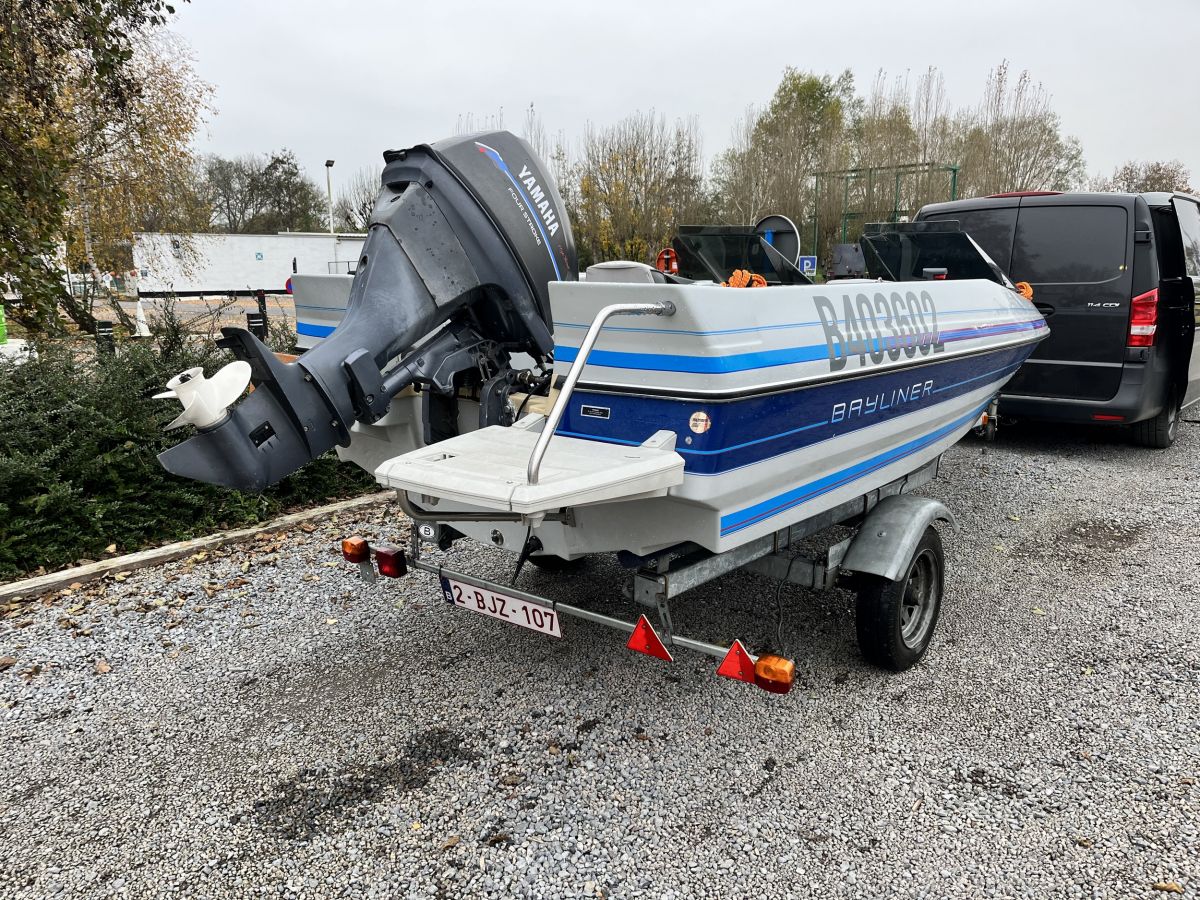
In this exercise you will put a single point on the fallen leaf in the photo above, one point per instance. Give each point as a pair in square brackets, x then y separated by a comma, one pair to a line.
[307, 527]
[1169, 887]
[1186, 779]
[416, 826]
[512, 780]
[1038, 611]
[1083, 842]
[102, 666]
[331, 621]
[7, 662]
[76, 585]
[450, 842]
[500, 838]
[1014, 518]
[120, 576]
[111, 548]
[246, 566]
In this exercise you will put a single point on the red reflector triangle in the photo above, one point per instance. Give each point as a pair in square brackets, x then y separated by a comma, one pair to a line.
[737, 664]
[645, 640]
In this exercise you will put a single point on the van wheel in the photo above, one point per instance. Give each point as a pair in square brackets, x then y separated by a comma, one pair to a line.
[896, 619]
[1159, 431]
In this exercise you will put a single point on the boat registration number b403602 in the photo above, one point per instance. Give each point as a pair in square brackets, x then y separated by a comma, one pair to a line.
[501, 606]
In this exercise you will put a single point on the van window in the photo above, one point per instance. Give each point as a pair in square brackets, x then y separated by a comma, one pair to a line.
[992, 229]
[1061, 244]
[1189, 225]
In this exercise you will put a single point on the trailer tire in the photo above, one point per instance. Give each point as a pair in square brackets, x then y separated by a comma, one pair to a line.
[896, 619]
[557, 563]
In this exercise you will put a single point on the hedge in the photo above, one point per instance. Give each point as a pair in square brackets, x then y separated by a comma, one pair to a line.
[79, 433]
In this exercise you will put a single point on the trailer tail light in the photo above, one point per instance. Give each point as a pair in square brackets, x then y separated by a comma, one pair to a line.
[391, 561]
[774, 673]
[1143, 319]
[356, 549]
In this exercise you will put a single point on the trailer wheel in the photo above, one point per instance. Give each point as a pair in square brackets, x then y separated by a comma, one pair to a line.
[896, 619]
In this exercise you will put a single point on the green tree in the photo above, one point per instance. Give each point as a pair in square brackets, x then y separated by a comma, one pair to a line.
[255, 194]
[52, 54]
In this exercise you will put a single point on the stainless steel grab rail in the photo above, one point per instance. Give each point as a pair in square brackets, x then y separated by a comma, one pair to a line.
[662, 308]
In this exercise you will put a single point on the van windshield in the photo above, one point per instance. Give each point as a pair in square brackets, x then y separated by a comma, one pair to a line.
[1070, 244]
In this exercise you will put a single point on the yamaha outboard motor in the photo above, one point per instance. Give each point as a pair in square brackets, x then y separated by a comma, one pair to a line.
[453, 277]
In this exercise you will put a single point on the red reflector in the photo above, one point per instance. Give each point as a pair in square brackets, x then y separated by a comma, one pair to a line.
[391, 561]
[1102, 417]
[738, 664]
[941, 277]
[356, 549]
[645, 640]
[1143, 319]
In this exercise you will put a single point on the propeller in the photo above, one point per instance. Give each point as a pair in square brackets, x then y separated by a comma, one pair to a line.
[206, 399]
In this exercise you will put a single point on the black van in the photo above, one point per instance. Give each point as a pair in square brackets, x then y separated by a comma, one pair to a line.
[1117, 277]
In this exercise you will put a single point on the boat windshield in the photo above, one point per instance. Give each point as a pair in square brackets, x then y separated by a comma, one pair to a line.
[916, 251]
[714, 252]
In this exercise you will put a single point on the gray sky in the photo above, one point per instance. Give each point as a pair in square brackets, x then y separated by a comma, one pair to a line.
[346, 81]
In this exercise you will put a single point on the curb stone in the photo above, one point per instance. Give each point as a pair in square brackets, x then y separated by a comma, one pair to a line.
[53, 581]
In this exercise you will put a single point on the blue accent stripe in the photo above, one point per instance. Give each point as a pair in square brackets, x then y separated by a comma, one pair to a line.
[748, 329]
[310, 330]
[746, 362]
[700, 365]
[767, 509]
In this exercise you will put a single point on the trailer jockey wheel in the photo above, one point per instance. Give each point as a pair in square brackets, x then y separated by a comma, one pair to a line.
[896, 619]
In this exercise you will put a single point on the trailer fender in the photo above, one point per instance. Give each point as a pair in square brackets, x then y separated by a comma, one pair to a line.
[889, 535]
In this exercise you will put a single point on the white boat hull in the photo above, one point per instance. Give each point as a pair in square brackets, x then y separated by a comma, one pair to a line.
[785, 402]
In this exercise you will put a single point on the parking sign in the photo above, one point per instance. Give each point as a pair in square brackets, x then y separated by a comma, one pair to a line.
[808, 265]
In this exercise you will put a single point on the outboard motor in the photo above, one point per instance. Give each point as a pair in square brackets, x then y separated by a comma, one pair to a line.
[453, 278]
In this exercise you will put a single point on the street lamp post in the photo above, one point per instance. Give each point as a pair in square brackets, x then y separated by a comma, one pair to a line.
[329, 190]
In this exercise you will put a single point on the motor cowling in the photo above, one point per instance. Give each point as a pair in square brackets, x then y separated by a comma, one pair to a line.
[465, 236]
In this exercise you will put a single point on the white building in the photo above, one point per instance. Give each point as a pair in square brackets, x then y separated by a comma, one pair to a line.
[224, 264]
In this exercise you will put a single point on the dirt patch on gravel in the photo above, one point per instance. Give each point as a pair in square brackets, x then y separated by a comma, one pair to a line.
[1098, 534]
[318, 799]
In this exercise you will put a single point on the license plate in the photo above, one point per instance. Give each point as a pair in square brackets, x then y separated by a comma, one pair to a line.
[501, 606]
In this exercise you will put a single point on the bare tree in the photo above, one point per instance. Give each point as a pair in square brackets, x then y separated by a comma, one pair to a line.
[1135, 177]
[356, 200]
[637, 181]
[1013, 140]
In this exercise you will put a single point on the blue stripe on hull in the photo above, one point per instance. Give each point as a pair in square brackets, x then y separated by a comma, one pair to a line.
[310, 330]
[762, 359]
[759, 512]
[748, 431]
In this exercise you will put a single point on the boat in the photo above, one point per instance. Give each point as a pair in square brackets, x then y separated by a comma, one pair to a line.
[653, 416]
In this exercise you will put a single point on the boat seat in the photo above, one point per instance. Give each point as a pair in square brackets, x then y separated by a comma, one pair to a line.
[487, 469]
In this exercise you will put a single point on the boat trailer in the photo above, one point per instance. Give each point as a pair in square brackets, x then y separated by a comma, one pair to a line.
[892, 526]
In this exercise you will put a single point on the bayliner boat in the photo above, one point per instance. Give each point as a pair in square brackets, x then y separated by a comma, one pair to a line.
[672, 421]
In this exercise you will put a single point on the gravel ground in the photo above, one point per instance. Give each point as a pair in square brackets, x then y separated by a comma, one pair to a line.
[259, 722]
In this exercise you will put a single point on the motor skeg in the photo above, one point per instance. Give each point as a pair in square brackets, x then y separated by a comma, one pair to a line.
[465, 233]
